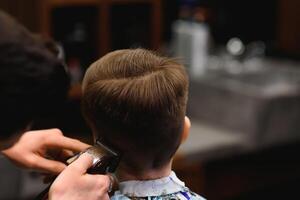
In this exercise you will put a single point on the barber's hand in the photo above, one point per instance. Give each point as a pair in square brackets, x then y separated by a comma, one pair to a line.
[33, 147]
[74, 183]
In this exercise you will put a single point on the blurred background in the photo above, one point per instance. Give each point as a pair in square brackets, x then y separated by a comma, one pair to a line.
[243, 60]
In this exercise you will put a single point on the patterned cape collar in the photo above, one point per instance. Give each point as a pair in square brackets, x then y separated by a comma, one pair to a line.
[157, 187]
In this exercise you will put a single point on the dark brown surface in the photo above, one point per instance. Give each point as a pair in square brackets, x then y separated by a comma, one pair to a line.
[288, 26]
[104, 6]
[272, 173]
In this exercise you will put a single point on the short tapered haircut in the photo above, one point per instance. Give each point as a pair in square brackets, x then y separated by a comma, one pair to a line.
[135, 100]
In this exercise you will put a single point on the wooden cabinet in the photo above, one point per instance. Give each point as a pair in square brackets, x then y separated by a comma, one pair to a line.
[104, 18]
[288, 30]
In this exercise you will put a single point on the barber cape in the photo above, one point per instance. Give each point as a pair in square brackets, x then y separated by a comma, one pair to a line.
[166, 188]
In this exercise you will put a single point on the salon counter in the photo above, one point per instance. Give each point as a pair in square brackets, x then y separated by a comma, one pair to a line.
[244, 136]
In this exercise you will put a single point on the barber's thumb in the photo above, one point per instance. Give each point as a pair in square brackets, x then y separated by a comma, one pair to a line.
[84, 162]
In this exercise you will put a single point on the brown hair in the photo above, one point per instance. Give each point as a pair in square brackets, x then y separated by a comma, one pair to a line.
[135, 101]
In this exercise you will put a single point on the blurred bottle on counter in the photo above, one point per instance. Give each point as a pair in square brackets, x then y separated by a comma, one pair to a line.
[191, 36]
[75, 70]
[75, 43]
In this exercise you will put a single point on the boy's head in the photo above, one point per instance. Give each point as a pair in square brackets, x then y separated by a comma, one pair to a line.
[135, 101]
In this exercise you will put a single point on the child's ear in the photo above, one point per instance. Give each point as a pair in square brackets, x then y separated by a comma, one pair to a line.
[186, 129]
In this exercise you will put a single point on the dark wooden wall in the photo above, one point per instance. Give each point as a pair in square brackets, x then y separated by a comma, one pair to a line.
[287, 34]
[289, 26]
[24, 11]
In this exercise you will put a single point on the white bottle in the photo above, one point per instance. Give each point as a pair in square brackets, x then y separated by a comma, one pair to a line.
[191, 43]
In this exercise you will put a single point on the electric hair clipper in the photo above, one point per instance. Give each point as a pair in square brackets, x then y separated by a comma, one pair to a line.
[105, 160]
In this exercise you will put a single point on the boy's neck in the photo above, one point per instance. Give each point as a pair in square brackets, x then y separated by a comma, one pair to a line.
[125, 175]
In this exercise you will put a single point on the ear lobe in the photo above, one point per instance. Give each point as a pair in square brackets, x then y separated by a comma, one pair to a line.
[186, 129]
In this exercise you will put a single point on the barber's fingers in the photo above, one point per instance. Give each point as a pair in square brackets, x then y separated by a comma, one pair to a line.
[81, 165]
[44, 164]
[103, 183]
[74, 181]
[71, 144]
[59, 141]
[62, 155]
